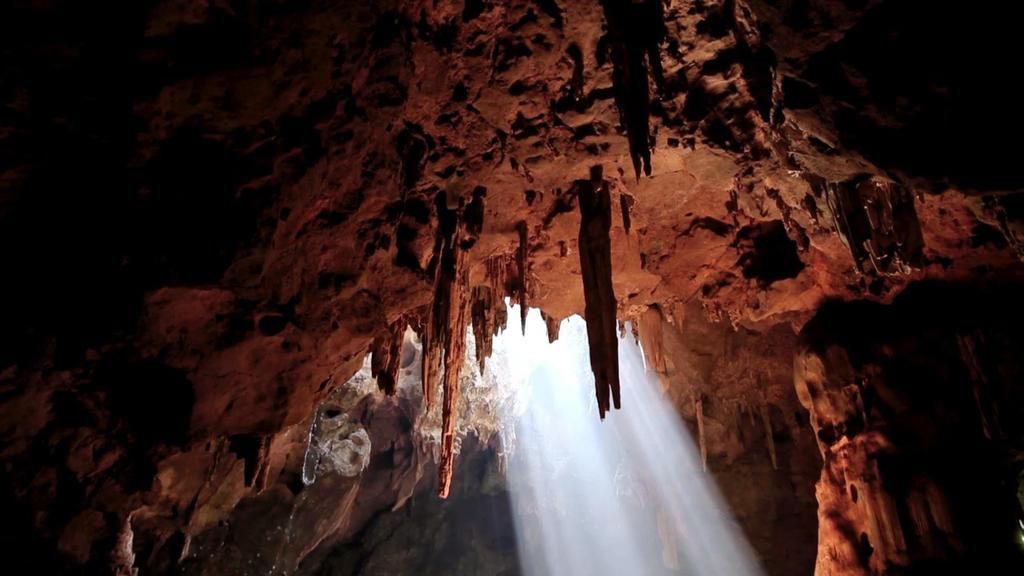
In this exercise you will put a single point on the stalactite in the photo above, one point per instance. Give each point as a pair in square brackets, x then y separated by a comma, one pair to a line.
[445, 334]
[430, 368]
[634, 31]
[698, 407]
[598, 291]
[454, 355]
[500, 316]
[483, 313]
[437, 333]
[495, 272]
[651, 339]
[552, 325]
[625, 203]
[521, 259]
[499, 277]
[386, 356]
[769, 437]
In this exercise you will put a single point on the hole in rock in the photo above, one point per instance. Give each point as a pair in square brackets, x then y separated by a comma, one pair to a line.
[247, 448]
[153, 400]
[767, 253]
[271, 324]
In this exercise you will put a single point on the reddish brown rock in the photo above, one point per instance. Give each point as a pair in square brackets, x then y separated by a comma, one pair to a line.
[905, 415]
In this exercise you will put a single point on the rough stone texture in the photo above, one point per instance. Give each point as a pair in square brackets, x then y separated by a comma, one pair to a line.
[735, 391]
[918, 418]
[336, 445]
[210, 210]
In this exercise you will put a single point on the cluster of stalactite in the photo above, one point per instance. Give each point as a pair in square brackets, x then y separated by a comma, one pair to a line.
[444, 339]
[635, 29]
[489, 318]
[456, 306]
[509, 274]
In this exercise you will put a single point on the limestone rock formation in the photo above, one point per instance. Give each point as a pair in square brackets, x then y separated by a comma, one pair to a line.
[908, 409]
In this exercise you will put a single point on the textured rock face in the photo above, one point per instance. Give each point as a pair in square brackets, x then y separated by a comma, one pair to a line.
[211, 211]
[917, 418]
[734, 389]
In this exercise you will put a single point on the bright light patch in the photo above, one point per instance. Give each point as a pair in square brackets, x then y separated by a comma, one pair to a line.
[622, 496]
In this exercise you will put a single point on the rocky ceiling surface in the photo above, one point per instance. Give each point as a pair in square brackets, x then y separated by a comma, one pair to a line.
[212, 210]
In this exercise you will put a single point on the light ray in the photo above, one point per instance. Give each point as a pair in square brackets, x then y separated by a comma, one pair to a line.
[622, 496]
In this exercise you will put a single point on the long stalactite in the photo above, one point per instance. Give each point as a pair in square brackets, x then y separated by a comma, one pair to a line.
[454, 354]
[596, 267]
[522, 259]
[444, 344]
[488, 317]
[552, 324]
[635, 29]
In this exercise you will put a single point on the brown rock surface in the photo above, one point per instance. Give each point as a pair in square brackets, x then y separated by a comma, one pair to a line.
[916, 417]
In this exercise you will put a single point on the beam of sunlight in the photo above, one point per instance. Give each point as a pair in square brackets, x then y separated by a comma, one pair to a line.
[622, 496]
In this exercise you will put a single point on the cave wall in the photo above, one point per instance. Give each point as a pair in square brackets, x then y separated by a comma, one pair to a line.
[734, 389]
[916, 408]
